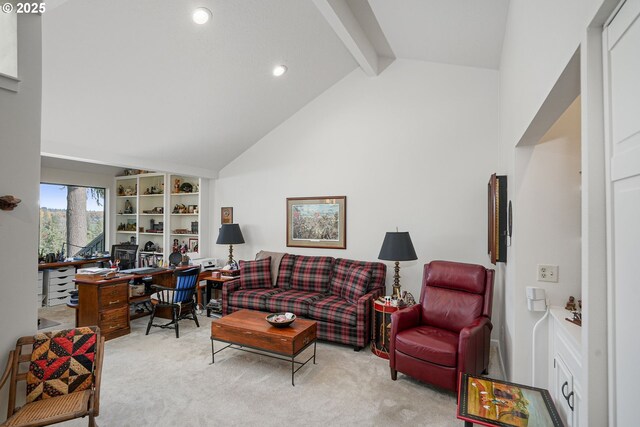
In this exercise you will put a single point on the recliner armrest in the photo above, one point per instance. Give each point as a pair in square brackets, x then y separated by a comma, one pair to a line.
[473, 346]
[405, 318]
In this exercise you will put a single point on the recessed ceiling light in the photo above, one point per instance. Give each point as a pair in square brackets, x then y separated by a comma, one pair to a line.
[279, 70]
[201, 15]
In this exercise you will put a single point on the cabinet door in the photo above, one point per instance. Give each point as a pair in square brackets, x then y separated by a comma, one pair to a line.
[622, 67]
[563, 390]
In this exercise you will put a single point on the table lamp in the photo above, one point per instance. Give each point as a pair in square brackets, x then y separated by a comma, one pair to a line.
[230, 234]
[397, 247]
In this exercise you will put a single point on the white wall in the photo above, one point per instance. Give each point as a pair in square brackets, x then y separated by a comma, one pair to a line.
[19, 176]
[546, 231]
[412, 148]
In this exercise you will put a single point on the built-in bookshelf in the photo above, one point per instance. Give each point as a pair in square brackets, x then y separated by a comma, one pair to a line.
[184, 218]
[157, 211]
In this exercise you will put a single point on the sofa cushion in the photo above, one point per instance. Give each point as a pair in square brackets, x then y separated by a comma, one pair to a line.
[286, 269]
[255, 274]
[253, 299]
[429, 344]
[296, 302]
[341, 269]
[356, 283]
[312, 273]
[276, 258]
[334, 309]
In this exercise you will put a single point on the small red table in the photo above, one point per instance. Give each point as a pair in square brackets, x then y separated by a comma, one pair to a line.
[381, 328]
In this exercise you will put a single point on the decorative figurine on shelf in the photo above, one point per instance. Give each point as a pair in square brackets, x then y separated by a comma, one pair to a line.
[120, 190]
[175, 247]
[122, 226]
[571, 304]
[128, 208]
[176, 186]
[132, 240]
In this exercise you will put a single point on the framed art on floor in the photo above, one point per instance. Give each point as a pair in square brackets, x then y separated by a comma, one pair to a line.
[317, 222]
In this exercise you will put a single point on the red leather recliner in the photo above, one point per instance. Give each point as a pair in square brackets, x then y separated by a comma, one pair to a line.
[449, 330]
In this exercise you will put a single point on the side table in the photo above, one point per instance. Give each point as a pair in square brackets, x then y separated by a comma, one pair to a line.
[214, 283]
[381, 328]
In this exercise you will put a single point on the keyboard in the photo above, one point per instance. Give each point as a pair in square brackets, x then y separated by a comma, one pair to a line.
[143, 270]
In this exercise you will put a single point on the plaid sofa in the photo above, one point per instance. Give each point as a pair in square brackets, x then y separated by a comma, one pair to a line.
[316, 288]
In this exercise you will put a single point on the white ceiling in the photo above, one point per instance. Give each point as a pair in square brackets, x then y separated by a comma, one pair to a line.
[135, 83]
[460, 32]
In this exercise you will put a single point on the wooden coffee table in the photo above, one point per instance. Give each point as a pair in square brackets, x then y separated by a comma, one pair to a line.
[248, 330]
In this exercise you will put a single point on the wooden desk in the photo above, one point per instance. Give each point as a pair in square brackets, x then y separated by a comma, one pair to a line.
[78, 263]
[105, 302]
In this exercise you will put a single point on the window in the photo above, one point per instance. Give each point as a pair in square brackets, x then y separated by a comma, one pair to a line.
[71, 220]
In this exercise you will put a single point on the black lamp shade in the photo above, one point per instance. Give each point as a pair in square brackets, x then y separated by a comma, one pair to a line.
[230, 234]
[397, 246]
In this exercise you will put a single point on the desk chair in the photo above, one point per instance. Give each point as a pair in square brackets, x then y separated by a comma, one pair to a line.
[62, 377]
[179, 299]
[126, 254]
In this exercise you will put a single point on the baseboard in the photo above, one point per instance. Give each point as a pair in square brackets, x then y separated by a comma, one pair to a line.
[496, 343]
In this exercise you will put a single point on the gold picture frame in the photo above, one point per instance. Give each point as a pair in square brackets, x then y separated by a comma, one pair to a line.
[317, 222]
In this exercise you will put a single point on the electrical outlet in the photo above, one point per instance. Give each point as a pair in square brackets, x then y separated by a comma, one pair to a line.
[547, 273]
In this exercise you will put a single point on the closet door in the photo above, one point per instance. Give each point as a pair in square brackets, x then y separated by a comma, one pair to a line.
[622, 106]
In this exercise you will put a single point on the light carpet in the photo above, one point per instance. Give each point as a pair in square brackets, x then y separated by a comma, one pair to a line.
[158, 380]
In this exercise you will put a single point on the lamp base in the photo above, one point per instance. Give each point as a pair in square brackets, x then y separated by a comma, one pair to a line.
[396, 282]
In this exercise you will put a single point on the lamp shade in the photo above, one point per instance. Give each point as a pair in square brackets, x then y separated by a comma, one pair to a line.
[397, 246]
[230, 234]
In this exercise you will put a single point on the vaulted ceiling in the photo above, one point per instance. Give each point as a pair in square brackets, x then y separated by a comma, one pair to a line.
[136, 83]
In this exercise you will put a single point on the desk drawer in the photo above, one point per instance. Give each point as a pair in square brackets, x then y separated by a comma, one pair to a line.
[111, 296]
[61, 280]
[57, 300]
[66, 286]
[111, 320]
[60, 272]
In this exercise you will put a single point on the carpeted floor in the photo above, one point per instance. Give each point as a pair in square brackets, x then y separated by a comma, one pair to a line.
[158, 380]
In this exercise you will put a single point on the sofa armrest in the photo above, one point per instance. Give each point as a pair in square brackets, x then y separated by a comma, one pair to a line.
[228, 288]
[363, 316]
[473, 346]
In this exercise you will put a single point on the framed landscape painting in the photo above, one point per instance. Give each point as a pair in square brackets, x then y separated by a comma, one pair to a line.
[317, 222]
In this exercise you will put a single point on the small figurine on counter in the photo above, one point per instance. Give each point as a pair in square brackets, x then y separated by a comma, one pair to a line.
[571, 304]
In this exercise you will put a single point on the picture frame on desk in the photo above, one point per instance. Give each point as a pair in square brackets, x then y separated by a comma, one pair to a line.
[193, 244]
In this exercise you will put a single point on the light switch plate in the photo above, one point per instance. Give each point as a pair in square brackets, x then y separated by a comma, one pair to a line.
[547, 273]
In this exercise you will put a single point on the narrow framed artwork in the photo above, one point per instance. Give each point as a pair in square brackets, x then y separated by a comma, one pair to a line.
[193, 244]
[317, 222]
[226, 215]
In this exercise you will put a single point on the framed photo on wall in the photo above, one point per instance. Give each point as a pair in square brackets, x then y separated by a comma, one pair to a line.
[317, 222]
[226, 215]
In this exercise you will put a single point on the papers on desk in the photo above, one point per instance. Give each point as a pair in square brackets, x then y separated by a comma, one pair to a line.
[93, 271]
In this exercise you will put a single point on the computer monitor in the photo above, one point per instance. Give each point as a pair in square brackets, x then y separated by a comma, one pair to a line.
[126, 254]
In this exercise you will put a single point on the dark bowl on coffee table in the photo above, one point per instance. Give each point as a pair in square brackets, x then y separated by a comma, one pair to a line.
[270, 318]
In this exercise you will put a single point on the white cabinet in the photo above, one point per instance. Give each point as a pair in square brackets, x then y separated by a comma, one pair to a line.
[566, 366]
[59, 283]
[40, 291]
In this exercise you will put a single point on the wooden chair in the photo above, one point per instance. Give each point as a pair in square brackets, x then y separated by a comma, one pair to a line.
[48, 404]
[179, 299]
